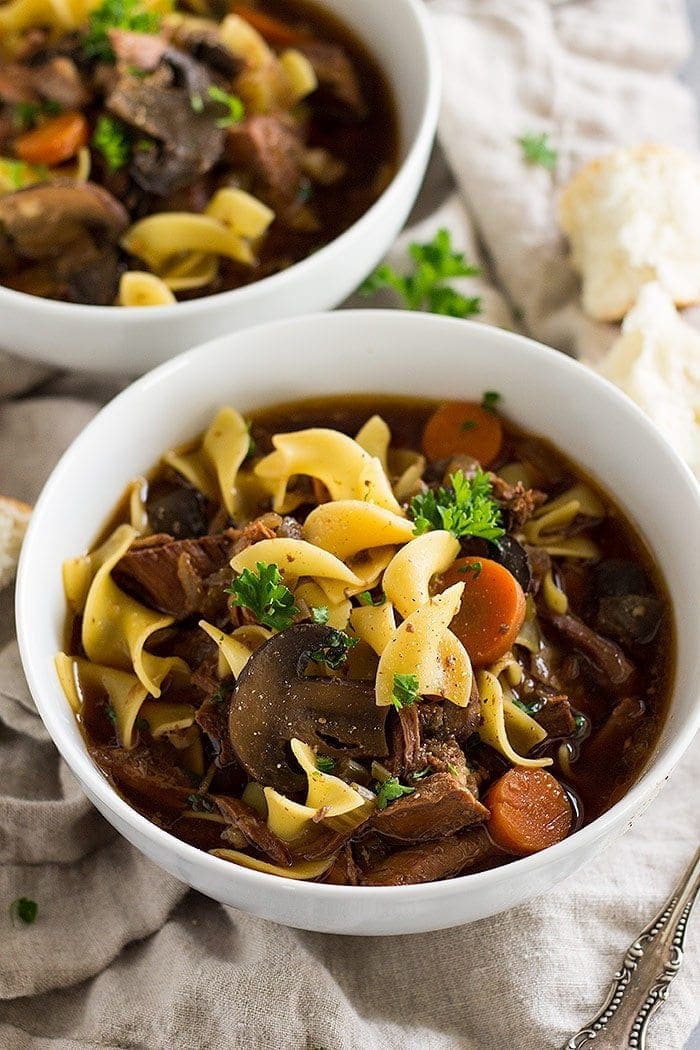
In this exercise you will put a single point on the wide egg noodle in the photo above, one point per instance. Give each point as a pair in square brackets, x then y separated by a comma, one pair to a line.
[424, 646]
[375, 437]
[374, 624]
[326, 796]
[294, 558]
[116, 627]
[345, 527]
[546, 528]
[341, 464]
[367, 567]
[306, 869]
[226, 444]
[406, 581]
[159, 237]
[164, 718]
[493, 727]
[123, 691]
[235, 649]
[315, 597]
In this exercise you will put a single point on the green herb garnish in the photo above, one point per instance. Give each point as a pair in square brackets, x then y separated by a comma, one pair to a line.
[490, 400]
[27, 114]
[234, 106]
[264, 593]
[325, 764]
[200, 804]
[142, 724]
[537, 150]
[531, 708]
[365, 598]
[468, 424]
[18, 174]
[197, 103]
[425, 289]
[465, 509]
[474, 567]
[320, 614]
[25, 910]
[420, 773]
[453, 769]
[580, 722]
[335, 652]
[116, 14]
[404, 691]
[389, 790]
[111, 714]
[111, 139]
[252, 443]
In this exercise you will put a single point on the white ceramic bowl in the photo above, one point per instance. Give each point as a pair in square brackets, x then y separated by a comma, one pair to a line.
[131, 341]
[372, 352]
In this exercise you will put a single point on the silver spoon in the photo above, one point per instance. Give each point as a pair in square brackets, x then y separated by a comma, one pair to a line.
[641, 985]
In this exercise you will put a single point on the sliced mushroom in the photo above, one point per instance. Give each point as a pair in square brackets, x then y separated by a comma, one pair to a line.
[273, 702]
[513, 557]
[41, 221]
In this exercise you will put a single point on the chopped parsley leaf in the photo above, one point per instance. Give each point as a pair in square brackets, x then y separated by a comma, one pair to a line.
[234, 106]
[537, 150]
[263, 592]
[116, 14]
[197, 103]
[474, 567]
[468, 424]
[25, 910]
[453, 769]
[465, 509]
[405, 690]
[200, 804]
[111, 714]
[320, 614]
[365, 598]
[27, 114]
[425, 289]
[335, 652]
[111, 139]
[389, 790]
[325, 764]
[490, 400]
[420, 773]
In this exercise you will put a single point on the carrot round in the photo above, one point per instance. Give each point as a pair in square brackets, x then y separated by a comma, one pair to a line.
[54, 142]
[492, 608]
[463, 427]
[277, 33]
[529, 811]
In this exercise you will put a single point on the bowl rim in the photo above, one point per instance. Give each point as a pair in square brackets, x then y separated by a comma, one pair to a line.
[276, 282]
[95, 782]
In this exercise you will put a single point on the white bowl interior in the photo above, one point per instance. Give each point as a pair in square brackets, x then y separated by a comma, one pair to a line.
[130, 341]
[378, 352]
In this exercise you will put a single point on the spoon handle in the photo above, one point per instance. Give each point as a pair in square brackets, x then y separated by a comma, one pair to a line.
[641, 985]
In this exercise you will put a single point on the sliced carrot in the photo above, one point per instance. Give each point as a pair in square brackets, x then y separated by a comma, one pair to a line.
[277, 33]
[529, 811]
[463, 427]
[492, 609]
[54, 142]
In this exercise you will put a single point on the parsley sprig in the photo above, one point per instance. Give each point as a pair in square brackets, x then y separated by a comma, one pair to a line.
[24, 910]
[537, 150]
[335, 652]
[465, 509]
[325, 764]
[389, 790]
[264, 593]
[116, 14]
[426, 289]
[404, 691]
[111, 139]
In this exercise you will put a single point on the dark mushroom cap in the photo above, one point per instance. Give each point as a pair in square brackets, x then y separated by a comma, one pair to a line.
[273, 702]
[40, 221]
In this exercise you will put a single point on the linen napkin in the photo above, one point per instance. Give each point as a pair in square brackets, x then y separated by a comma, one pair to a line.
[122, 955]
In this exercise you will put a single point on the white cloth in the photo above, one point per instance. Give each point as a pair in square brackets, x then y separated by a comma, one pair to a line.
[122, 955]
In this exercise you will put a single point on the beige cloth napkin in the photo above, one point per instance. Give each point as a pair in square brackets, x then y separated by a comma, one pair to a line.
[122, 955]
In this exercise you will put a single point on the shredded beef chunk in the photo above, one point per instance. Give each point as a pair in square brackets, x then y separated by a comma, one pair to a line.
[339, 86]
[147, 775]
[604, 654]
[171, 575]
[256, 831]
[404, 738]
[440, 806]
[517, 502]
[270, 145]
[555, 716]
[432, 861]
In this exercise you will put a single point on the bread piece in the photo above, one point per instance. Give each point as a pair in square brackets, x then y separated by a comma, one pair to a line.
[633, 217]
[656, 361]
[14, 517]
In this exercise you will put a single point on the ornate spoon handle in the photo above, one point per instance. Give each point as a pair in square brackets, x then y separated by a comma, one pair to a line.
[641, 985]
